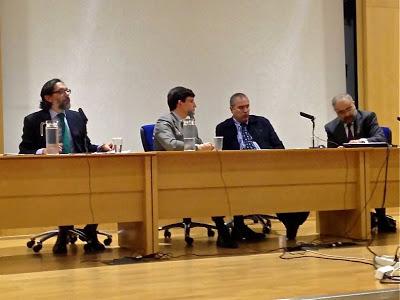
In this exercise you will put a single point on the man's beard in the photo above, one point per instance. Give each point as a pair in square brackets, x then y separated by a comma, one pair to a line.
[65, 105]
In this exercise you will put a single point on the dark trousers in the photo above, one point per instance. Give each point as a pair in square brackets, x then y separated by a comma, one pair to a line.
[290, 220]
[89, 229]
[293, 220]
[380, 212]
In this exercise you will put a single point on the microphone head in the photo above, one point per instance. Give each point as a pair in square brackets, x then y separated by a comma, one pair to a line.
[307, 116]
[398, 118]
[80, 110]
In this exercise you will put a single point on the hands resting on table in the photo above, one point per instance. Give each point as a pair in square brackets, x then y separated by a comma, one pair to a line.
[102, 148]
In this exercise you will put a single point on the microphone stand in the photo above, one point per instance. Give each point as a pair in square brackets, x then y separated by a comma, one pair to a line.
[313, 133]
[85, 120]
[312, 119]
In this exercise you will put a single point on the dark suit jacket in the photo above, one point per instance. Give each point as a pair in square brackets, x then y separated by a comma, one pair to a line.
[365, 126]
[32, 141]
[259, 128]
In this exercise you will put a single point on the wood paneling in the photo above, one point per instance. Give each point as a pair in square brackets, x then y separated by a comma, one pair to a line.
[39, 191]
[1, 102]
[227, 183]
[378, 60]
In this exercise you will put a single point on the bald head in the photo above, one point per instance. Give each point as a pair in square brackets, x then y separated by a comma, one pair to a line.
[342, 97]
[345, 108]
[240, 107]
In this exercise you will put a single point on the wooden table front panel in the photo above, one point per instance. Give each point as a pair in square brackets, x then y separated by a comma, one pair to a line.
[244, 182]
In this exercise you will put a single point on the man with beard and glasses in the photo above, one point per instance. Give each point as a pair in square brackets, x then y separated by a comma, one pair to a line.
[357, 126]
[55, 105]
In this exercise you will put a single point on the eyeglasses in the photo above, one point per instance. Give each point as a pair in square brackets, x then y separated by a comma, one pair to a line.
[63, 91]
[344, 111]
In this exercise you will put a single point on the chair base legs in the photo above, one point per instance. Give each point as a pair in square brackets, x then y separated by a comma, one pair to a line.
[186, 225]
[36, 241]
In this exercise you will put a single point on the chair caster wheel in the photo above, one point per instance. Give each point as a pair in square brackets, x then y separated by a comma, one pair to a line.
[88, 248]
[210, 233]
[107, 241]
[37, 248]
[167, 234]
[189, 240]
[73, 239]
[30, 244]
[266, 230]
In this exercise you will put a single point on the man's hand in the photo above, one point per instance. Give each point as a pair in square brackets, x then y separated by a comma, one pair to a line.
[205, 147]
[106, 147]
[43, 151]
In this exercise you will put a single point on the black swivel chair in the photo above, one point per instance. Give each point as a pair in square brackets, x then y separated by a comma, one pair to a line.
[73, 235]
[388, 134]
[146, 134]
[264, 220]
[390, 221]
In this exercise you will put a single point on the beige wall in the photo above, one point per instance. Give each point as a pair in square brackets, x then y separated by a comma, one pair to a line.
[120, 58]
[378, 57]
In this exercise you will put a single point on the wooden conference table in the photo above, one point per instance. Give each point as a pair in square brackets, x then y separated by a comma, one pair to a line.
[137, 190]
[37, 191]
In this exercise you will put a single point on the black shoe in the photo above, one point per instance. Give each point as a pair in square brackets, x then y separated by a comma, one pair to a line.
[226, 242]
[60, 247]
[386, 225]
[245, 233]
[291, 232]
[224, 239]
[94, 247]
[93, 244]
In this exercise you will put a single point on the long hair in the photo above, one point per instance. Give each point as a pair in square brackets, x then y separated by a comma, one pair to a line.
[47, 90]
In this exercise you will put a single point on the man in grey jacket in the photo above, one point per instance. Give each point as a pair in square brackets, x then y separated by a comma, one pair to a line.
[357, 126]
[168, 136]
[352, 125]
[168, 133]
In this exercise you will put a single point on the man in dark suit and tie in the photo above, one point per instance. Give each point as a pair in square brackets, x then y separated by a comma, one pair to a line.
[356, 126]
[248, 132]
[352, 125]
[168, 136]
[55, 104]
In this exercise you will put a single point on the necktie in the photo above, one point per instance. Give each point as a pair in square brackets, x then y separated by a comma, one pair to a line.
[247, 139]
[350, 135]
[64, 135]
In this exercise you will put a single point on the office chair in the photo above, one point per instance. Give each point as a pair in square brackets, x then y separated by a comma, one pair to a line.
[390, 222]
[388, 134]
[146, 134]
[264, 220]
[73, 235]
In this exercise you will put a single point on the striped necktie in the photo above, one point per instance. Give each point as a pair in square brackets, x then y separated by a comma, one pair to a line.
[247, 139]
[350, 135]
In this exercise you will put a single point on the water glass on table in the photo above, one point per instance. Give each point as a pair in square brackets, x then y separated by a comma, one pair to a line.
[117, 142]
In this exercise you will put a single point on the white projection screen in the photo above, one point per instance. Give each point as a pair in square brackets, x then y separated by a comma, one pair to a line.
[120, 58]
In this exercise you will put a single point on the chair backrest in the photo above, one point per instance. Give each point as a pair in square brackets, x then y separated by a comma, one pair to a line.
[146, 134]
[388, 134]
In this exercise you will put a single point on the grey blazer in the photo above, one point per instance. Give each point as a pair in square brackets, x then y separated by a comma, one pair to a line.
[365, 126]
[168, 134]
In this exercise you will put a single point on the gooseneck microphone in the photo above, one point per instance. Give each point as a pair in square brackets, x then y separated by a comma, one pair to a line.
[83, 116]
[85, 120]
[312, 119]
[307, 116]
